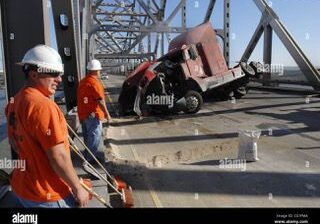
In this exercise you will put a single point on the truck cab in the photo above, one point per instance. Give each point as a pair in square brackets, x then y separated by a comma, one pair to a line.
[193, 65]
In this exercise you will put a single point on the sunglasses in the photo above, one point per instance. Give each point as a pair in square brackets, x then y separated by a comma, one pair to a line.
[54, 75]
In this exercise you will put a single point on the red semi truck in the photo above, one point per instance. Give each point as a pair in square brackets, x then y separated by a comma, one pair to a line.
[193, 65]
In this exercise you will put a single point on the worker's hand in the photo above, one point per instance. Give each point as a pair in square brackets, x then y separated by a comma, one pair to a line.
[105, 121]
[81, 196]
[108, 119]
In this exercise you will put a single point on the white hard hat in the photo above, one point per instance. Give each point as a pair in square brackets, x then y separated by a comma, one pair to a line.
[45, 58]
[94, 65]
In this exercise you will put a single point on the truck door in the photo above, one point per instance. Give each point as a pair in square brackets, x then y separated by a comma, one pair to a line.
[193, 61]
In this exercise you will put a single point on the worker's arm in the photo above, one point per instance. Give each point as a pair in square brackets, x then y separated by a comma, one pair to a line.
[102, 104]
[61, 163]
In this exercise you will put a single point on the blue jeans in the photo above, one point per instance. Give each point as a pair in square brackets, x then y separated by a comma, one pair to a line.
[67, 202]
[92, 131]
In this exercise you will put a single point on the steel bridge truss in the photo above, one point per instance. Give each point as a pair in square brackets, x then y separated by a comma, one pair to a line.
[126, 30]
[270, 22]
[119, 33]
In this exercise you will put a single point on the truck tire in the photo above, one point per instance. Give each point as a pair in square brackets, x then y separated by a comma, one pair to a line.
[194, 102]
[225, 95]
[247, 69]
[240, 92]
[257, 67]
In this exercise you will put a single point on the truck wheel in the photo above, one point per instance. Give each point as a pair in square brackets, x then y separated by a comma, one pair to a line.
[225, 95]
[257, 67]
[193, 102]
[247, 69]
[240, 92]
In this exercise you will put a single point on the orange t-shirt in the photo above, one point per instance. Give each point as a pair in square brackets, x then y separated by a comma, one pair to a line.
[35, 124]
[90, 90]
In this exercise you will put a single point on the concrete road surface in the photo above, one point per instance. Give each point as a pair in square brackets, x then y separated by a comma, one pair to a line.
[177, 160]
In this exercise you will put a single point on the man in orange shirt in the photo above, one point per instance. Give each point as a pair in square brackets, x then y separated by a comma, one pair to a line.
[92, 108]
[37, 131]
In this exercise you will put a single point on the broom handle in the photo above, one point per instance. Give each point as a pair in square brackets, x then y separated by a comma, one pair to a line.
[77, 151]
[97, 196]
[89, 151]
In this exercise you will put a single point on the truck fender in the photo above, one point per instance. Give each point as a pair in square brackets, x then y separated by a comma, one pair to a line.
[196, 84]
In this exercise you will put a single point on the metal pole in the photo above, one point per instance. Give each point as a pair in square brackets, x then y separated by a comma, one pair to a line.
[18, 37]
[226, 48]
[162, 43]
[67, 48]
[267, 54]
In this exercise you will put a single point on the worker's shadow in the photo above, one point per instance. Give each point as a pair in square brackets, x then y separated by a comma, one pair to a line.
[215, 162]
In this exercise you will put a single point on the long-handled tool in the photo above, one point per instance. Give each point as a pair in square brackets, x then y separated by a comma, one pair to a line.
[96, 195]
[5, 177]
[78, 152]
[101, 177]
[88, 150]
[126, 192]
